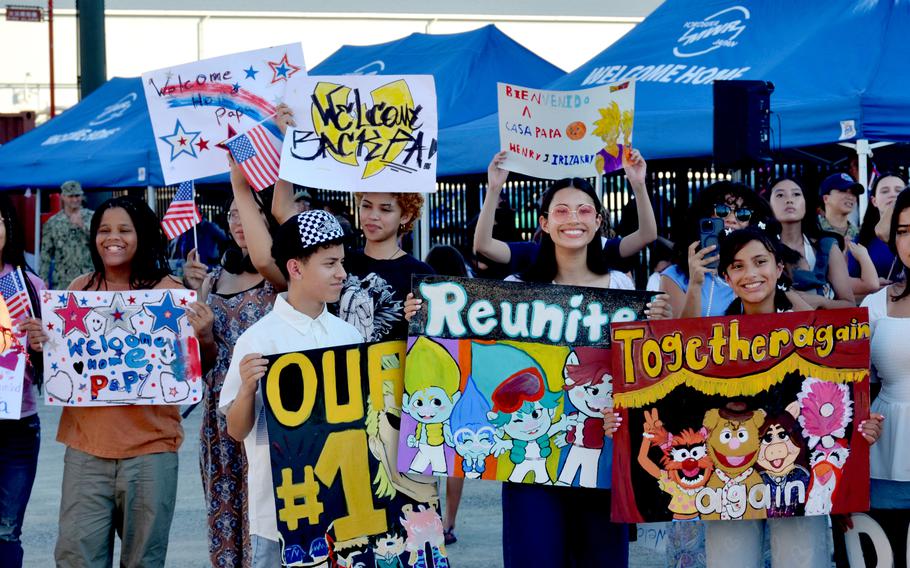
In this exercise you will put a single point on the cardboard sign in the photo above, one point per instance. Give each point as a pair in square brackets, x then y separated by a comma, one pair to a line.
[559, 134]
[12, 367]
[509, 381]
[112, 348]
[364, 133]
[332, 417]
[196, 107]
[742, 417]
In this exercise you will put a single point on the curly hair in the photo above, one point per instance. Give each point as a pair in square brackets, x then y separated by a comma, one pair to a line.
[149, 265]
[410, 203]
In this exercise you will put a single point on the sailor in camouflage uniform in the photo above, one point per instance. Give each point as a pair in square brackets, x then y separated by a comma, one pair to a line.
[64, 242]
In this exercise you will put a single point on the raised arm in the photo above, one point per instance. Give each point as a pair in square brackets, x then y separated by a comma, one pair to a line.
[636, 172]
[484, 243]
[255, 229]
[283, 207]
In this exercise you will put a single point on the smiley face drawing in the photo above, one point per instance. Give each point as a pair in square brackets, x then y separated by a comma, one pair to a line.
[576, 130]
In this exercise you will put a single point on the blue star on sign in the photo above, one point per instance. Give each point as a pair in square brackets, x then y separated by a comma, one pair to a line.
[181, 141]
[83, 302]
[61, 298]
[235, 88]
[165, 315]
[250, 73]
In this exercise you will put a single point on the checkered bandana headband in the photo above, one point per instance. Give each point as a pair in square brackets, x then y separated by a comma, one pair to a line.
[317, 227]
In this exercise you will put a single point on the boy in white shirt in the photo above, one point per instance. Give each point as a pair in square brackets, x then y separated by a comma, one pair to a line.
[308, 250]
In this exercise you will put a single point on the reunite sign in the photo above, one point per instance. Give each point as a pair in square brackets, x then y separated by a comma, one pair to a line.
[364, 133]
[333, 419]
[113, 348]
[559, 134]
[741, 417]
[509, 381]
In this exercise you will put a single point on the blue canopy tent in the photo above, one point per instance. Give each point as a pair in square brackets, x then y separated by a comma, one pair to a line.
[839, 69]
[466, 67]
[106, 140]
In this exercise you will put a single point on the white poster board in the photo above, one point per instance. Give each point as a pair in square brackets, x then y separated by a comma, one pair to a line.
[12, 379]
[364, 133]
[195, 107]
[111, 348]
[559, 134]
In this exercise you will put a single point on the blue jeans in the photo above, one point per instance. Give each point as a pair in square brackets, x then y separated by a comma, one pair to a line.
[564, 527]
[19, 443]
[266, 553]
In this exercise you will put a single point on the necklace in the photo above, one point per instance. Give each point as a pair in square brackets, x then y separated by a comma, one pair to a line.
[394, 254]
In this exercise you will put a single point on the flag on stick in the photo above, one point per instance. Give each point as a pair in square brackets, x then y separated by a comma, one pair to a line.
[15, 294]
[182, 214]
[258, 154]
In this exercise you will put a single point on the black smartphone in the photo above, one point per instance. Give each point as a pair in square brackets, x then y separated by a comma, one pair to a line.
[709, 229]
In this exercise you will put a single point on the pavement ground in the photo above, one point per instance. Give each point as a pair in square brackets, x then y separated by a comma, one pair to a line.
[479, 525]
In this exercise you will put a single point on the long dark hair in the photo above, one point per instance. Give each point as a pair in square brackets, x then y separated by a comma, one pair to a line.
[149, 265]
[14, 255]
[902, 202]
[703, 206]
[872, 215]
[731, 244]
[544, 268]
[447, 260]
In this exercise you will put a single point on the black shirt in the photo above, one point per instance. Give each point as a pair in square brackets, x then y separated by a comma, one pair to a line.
[372, 299]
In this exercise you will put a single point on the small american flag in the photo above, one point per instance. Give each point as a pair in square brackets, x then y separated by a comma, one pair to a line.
[12, 286]
[258, 154]
[182, 214]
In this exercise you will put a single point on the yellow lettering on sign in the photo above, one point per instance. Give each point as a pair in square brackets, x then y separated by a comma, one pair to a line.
[341, 413]
[345, 453]
[292, 418]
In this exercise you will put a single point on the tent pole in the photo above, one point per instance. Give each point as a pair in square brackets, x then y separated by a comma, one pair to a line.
[863, 152]
[37, 222]
[423, 242]
[151, 198]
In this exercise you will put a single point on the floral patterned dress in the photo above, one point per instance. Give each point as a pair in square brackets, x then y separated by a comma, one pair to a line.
[222, 461]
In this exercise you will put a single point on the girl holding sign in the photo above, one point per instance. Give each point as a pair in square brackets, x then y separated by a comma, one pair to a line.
[889, 317]
[120, 468]
[750, 263]
[20, 432]
[557, 526]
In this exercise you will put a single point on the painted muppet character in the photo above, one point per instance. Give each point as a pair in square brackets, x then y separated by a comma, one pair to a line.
[686, 466]
[825, 411]
[429, 397]
[588, 385]
[783, 464]
[523, 409]
[472, 433]
[733, 445]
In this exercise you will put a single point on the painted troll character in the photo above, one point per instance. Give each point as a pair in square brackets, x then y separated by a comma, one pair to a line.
[430, 395]
[523, 410]
[472, 433]
[424, 527]
[825, 411]
[685, 466]
[783, 463]
[588, 384]
[733, 445]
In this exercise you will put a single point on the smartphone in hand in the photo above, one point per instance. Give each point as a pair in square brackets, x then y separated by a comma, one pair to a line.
[709, 229]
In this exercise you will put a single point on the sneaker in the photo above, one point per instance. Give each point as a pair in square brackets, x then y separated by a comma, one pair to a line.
[449, 536]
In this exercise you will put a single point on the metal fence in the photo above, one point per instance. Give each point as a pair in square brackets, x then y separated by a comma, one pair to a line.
[454, 207]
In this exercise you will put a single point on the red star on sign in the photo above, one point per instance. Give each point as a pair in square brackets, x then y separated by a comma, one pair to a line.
[183, 301]
[131, 300]
[230, 134]
[73, 316]
[203, 144]
[182, 141]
